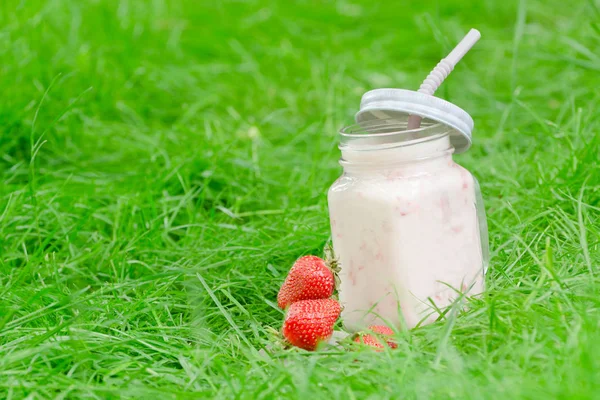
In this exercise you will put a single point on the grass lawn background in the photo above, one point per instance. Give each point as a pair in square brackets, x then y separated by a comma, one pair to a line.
[162, 163]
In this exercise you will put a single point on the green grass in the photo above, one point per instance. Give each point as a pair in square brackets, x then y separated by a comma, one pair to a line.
[162, 163]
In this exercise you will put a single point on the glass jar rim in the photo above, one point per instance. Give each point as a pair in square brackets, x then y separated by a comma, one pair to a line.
[381, 134]
[374, 127]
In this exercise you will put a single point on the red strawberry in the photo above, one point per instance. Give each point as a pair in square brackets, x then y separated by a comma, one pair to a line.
[380, 333]
[369, 340]
[309, 278]
[386, 332]
[309, 322]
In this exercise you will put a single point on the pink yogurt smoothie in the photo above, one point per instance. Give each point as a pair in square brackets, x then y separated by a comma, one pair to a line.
[405, 229]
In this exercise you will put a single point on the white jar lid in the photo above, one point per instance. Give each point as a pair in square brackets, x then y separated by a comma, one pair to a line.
[398, 104]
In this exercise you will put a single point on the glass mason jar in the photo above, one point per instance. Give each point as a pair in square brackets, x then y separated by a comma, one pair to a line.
[408, 224]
